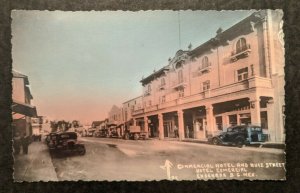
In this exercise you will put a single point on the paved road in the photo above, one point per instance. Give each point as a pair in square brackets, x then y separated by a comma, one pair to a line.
[117, 159]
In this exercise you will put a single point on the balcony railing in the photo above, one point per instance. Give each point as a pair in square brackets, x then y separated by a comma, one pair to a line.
[179, 83]
[147, 93]
[242, 53]
[138, 112]
[161, 87]
[202, 70]
[151, 108]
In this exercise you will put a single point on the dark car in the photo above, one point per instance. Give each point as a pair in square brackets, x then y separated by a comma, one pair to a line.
[240, 135]
[66, 142]
[51, 139]
[101, 133]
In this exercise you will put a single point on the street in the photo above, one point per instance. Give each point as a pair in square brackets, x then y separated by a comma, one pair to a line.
[116, 159]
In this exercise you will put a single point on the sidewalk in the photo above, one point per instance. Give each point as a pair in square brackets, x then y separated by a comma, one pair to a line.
[35, 166]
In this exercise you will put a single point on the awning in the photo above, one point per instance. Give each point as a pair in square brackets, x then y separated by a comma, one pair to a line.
[111, 124]
[24, 109]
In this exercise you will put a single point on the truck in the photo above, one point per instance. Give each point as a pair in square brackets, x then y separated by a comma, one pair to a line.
[135, 132]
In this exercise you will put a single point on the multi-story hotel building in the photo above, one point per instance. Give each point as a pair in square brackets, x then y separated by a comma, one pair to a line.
[22, 109]
[236, 77]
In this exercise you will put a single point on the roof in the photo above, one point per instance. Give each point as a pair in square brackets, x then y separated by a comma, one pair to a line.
[17, 74]
[96, 123]
[132, 99]
[154, 75]
[24, 109]
[243, 27]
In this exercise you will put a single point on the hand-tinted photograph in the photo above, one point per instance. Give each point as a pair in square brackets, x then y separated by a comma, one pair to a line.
[148, 95]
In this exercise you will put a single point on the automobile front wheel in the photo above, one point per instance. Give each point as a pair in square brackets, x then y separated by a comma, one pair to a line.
[126, 136]
[215, 141]
[81, 150]
[239, 143]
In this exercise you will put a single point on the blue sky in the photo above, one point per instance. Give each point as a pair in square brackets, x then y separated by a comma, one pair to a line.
[81, 63]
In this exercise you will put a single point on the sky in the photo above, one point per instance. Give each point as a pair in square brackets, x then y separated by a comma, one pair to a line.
[80, 64]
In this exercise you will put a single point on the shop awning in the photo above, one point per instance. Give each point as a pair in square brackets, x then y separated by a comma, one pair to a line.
[24, 109]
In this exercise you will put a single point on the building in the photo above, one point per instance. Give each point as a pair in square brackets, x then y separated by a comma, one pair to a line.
[22, 110]
[115, 116]
[130, 108]
[236, 77]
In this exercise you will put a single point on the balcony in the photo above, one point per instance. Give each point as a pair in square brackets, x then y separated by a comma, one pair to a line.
[151, 108]
[161, 87]
[147, 93]
[179, 84]
[239, 54]
[202, 70]
[138, 112]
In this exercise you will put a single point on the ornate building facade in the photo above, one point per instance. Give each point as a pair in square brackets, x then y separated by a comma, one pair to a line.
[236, 77]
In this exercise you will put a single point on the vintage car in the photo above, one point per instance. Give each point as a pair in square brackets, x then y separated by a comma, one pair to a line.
[50, 138]
[240, 135]
[135, 132]
[66, 142]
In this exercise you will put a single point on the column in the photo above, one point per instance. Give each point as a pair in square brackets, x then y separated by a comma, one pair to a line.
[271, 120]
[180, 124]
[210, 119]
[146, 126]
[255, 110]
[225, 118]
[161, 126]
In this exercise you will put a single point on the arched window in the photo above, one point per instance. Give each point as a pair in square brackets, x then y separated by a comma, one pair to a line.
[180, 76]
[163, 82]
[241, 45]
[205, 62]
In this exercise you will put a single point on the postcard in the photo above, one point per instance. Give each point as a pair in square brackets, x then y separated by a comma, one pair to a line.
[148, 95]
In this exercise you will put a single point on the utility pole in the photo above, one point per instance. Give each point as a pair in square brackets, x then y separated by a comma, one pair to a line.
[179, 32]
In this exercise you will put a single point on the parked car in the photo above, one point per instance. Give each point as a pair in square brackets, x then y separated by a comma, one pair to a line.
[102, 132]
[135, 132]
[50, 139]
[240, 135]
[90, 132]
[66, 142]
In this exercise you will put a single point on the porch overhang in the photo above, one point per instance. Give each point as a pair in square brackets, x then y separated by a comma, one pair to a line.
[24, 109]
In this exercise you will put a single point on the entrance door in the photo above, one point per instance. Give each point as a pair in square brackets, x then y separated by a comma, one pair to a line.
[245, 119]
[166, 129]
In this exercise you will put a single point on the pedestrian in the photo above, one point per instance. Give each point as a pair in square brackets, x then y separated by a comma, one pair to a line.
[17, 143]
[25, 143]
[187, 132]
[176, 131]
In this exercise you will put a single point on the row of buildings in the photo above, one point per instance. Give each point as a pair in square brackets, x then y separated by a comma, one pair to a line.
[24, 114]
[236, 77]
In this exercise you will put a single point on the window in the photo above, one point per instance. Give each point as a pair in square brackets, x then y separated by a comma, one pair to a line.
[241, 45]
[205, 62]
[163, 99]
[149, 88]
[206, 85]
[163, 82]
[180, 76]
[242, 74]
[149, 103]
[181, 93]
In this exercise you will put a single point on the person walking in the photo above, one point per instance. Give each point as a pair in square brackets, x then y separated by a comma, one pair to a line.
[187, 132]
[17, 143]
[176, 131]
[25, 143]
